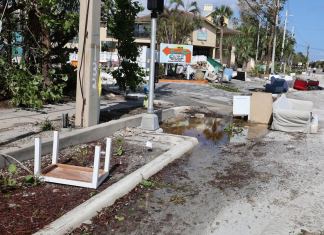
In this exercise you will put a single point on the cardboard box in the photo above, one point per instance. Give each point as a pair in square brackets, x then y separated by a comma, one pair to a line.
[261, 107]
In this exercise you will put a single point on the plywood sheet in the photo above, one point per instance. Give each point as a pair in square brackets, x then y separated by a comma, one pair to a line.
[261, 107]
[70, 172]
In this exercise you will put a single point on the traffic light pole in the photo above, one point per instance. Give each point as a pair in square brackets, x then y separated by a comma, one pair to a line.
[87, 95]
[150, 120]
[150, 108]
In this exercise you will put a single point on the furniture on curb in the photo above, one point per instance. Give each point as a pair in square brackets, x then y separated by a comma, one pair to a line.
[305, 85]
[68, 174]
[277, 86]
[291, 115]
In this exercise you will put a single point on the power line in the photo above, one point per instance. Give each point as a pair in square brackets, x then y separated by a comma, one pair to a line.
[311, 48]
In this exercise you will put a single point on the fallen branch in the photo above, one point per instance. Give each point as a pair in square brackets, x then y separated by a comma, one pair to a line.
[6, 156]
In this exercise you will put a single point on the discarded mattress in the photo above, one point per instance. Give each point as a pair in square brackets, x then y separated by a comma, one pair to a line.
[277, 86]
[291, 115]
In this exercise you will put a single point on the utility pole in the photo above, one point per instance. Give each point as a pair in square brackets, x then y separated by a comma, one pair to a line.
[275, 38]
[87, 96]
[307, 63]
[284, 38]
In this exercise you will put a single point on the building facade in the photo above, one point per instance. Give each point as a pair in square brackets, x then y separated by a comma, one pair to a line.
[204, 39]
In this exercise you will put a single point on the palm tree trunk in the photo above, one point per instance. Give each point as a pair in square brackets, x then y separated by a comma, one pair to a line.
[215, 52]
[221, 45]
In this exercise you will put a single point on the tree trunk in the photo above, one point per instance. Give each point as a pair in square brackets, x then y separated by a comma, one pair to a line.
[215, 52]
[9, 40]
[269, 52]
[221, 45]
[32, 39]
[46, 57]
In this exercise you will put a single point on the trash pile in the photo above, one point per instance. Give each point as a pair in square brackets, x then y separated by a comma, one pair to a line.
[281, 84]
[281, 113]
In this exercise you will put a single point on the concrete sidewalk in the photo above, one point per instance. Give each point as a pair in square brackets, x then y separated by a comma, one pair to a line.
[16, 123]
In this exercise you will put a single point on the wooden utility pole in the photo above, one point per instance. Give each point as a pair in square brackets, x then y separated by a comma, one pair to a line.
[87, 96]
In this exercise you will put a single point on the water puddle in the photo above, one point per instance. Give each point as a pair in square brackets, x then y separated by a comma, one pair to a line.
[208, 130]
[215, 131]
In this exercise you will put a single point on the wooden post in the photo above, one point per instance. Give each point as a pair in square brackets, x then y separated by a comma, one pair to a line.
[55, 147]
[108, 155]
[96, 164]
[38, 155]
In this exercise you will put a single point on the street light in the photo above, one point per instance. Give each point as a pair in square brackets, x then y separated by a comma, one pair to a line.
[150, 120]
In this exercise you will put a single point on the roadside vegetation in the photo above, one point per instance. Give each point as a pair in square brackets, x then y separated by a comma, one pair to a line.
[36, 32]
[120, 16]
[225, 87]
[256, 20]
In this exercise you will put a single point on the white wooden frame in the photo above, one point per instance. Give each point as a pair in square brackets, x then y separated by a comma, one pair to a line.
[97, 178]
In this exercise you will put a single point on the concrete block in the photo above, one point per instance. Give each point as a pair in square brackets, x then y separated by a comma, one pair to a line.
[150, 122]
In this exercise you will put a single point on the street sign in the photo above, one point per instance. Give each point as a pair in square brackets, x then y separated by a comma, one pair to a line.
[175, 53]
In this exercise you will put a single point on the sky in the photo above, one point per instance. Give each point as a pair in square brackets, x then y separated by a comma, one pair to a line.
[307, 18]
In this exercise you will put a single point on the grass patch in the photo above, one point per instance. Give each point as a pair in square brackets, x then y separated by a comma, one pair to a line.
[233, 129]
[225, 88]
[148, 184]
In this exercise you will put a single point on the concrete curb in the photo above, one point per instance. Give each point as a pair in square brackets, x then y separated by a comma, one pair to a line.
[90, 208]
[88, 134]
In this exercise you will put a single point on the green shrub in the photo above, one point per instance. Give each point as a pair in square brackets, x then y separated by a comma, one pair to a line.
[47, 125]
[28, 90]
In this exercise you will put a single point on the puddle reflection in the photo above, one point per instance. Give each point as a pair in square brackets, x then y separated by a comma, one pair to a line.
[209, 130]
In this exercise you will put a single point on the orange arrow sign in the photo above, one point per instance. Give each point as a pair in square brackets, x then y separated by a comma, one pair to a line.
[167, 51]
[178, 50]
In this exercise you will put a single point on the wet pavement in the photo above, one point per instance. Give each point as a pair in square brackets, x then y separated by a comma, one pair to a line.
[258, 182]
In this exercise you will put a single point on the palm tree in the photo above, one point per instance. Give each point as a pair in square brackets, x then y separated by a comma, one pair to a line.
[219, 16]
[178, 21]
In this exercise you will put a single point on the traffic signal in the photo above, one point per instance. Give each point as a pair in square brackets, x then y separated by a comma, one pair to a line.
[155, 5]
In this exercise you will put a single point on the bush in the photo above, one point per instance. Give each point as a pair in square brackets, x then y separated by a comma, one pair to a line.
[26, 89]
[128, 75]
